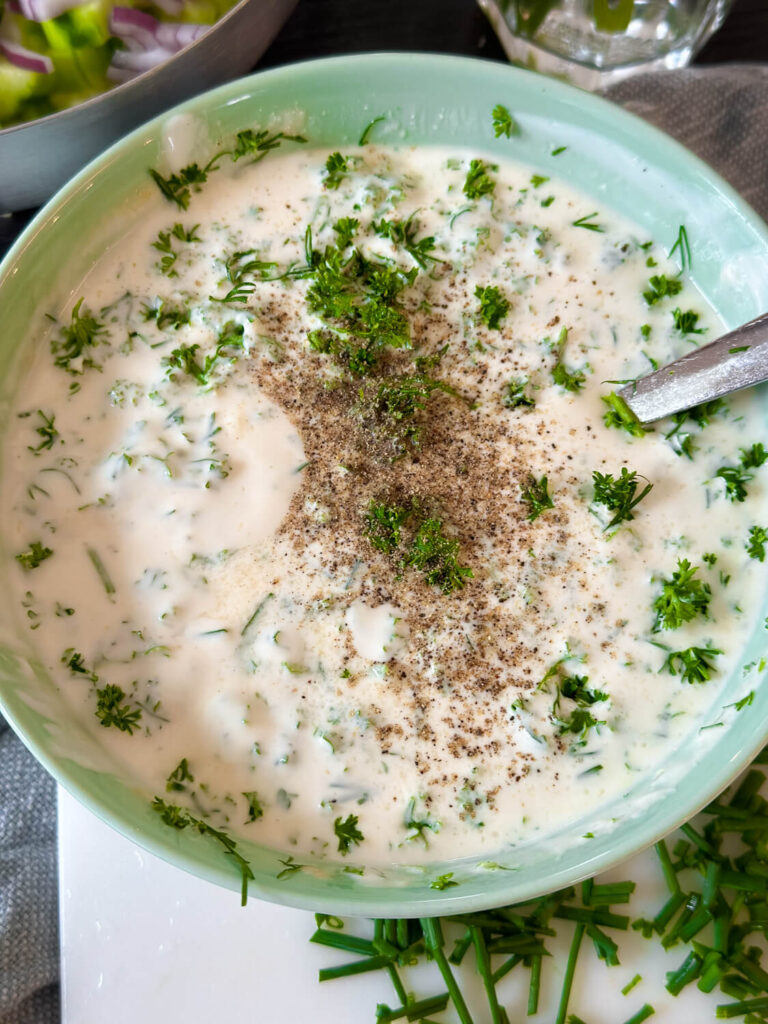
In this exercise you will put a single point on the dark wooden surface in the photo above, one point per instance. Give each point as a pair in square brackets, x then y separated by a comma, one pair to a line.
[321, 28]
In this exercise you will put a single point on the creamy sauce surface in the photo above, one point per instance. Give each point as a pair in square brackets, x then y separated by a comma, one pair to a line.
[203, 479]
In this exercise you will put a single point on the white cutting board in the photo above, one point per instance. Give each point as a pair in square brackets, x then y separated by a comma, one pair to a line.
[144, 942]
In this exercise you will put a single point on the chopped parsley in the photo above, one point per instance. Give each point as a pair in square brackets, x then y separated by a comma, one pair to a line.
[478, 182]
[392, 411]
[755, 546]
[336, 170]
[751, 458]
[682, 597]
[179, 818]
[346, 229]
[164, 245]
[47, 433]
[177, 187]
[77, 339]
[403, 233]
[537, 497]
[347, 833]
[110, 709]
[736, 479]
[255, 810]
[515, 394]
[685, 322]
[503, 122]
[384, 524]
[694, 665]
[660, 286]
[180, 774]
[493, 306]
[619, 495]
[34, 555]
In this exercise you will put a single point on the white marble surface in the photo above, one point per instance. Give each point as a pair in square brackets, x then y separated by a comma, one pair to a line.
[144, 942]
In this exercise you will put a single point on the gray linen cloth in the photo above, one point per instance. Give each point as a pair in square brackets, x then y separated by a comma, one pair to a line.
[719, 113]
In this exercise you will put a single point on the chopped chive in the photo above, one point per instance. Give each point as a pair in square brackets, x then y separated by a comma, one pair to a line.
[484, 970]
[688, 971]
[570, 970]
[642, 1014]
[433, 937]
[670, 875]
[373, 963]
[631, 984]
[98, 565]
[727, 1010]
[340, 940]
[535, 984]
[586, 916]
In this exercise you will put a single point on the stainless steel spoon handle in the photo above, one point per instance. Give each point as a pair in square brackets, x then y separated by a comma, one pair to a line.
[735, 361]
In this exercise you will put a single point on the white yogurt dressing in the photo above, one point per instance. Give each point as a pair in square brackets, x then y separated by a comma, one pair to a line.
[202, 533]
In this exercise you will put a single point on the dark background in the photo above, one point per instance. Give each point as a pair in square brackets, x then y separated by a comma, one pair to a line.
[321, 28]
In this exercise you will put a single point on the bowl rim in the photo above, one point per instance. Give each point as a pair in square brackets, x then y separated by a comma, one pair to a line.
[389, 902]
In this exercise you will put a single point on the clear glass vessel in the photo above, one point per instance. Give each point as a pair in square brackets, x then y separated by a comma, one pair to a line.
[593, 43]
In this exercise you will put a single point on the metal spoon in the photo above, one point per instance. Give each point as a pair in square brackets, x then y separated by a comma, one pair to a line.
[735, 361]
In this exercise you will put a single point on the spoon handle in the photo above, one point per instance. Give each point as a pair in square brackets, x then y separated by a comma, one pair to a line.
[735, 361]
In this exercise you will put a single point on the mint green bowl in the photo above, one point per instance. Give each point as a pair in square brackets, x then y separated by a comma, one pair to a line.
[627, 166]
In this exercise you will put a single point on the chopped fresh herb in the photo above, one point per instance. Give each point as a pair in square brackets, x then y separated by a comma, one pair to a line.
[660, 286]
[493, 306]
[751, 458]
[569, 380]
[256, 144]
[693, 664]
[403, 233]
[682, 597]
[177, 187]
[255, 810]
[34, 555]
[681, 243]
[587, 222]
[758, 535]
[391, 412]
[164, 245]
[558, 150]
[537, 497]
[736, 479]
[336, 170]
[538, 179]
[178, 818]
[686, 322]
[47, 432]
[515, 394]
[177, 778]
[383, 525]
[478, 182]
[347, 833]
[110, 709]
[366, 136]
[346, 229]
[436, 556]
[443, 882]
[82, 334]
[619, 415]
[503, 122]
[75, 662]
[619, 495]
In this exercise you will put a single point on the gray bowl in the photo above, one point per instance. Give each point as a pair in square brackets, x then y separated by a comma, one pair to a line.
[38, 157]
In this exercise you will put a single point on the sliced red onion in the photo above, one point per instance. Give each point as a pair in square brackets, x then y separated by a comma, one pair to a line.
[171, 7]
[140, 31]
[139, 60]
[25, 59]
[174, 36]
[44, 10]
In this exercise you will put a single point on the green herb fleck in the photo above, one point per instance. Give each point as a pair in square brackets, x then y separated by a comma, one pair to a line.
[682, 597]
[587, 222]
[34, 555]
[255, 810]
[177, 778]
[758, 535]
[443, 882]
[336, 170]
[660, 286]
[537, 497]
[383, 525]
[619, 495]
[694, 664]
[347, 833]
[82, 334]
[685, 322]
[47, 432]
[515, 394]
[619, 415]
[503, 122]
[493, 306]
[110, 709]
[478, 182]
